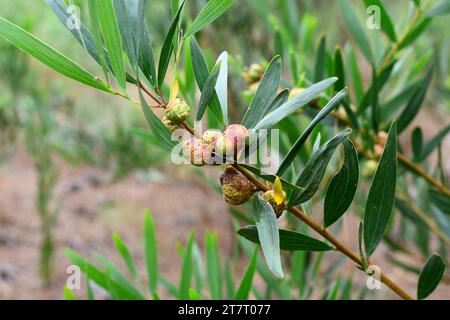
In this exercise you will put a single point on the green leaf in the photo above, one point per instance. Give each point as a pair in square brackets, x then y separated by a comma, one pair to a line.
[314, 170]
[47, 55]
[265, 94]
[102, 279]
[330, 106]
[167, 48]
[158, 128]
[382, 79]
[247, 281]
[210, 12]
[433, 143]
[339, 70]
[131, 19]
[439, 9]
[208, 91]
[342, 187]
[111, 36]
[186, 270]
[213, 267]
[415, 102]
[222, 84]
[356, 29]
[267, 225]
[68, 294]
[355, 74]
[440, 200]
[151, 253]
[381, 194]
[292, 105]
[117, 278]
[360, 246]
[430, 276]
[194, 295]
[125, 253]
[289, 240]
[319, 67]
[386, 23]
[416, 32]
[389, 108]
[417, 142]
[201, 75]
[101, 55]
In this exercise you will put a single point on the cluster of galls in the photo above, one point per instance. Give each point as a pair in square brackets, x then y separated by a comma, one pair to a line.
[213, 146]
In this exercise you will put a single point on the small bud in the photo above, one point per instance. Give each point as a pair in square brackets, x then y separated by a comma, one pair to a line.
[382, 137]
[369, 167]
[253, 74]
[378, 149]
[211, 136]
[170, 125]
[269, 197]
[177, 110]
[236, 188]
[233, 140]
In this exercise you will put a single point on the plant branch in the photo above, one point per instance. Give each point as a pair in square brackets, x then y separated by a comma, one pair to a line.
[400, 156]
[324, 233]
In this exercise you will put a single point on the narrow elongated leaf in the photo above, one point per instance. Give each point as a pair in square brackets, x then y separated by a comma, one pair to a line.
[83, 35]
[342, 187]
[339, 70]
[374, 100]
[167, 48]
[330, 106]
[381, 194]
[417, 142]
[151, 253]
[385, 20]
[433, 143]
[186, 270]
[130, 19]
[382, 79]
[68, 294]
[292, 105]
[118, 277]
[355, 74]
[158, 128]
[440, 200]
[111, 36]
[102, 279]
[314, 170]
[208, 91]
[267, 225]
[125, 253]
[319, 67]
[414, 104]
[430, 276]
[289, 240]
[355, 28]
[130, 16]
[222, 84]
[194, 295]
[266, 92]
[213, 267]
[210, 12]
[95, 23]
[416, 32]
[247, 280]
[389, 108]
[201, 74]
[439, 9]
[47, 55]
